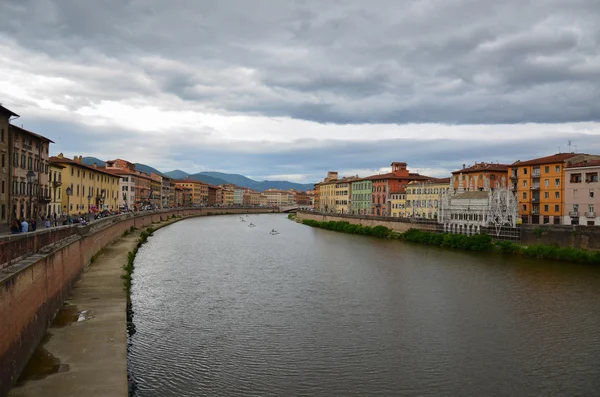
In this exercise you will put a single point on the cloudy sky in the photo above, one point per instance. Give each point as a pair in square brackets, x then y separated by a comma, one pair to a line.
[292, 89]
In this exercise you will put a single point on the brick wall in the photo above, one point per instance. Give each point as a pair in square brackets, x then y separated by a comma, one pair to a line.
[585, 237]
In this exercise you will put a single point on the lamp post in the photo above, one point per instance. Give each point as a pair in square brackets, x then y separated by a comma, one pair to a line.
[89, 199]
[31, 180]
[69, 192]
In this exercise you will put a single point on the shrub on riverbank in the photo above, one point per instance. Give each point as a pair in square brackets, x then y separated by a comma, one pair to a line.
[483, 242]
[347, 227]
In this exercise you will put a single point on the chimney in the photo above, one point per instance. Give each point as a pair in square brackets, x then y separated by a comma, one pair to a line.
[464, 166]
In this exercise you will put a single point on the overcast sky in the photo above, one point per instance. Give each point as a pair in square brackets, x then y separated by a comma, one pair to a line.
[292, 89]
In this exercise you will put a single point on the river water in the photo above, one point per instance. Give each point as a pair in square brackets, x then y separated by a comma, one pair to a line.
[223, 309]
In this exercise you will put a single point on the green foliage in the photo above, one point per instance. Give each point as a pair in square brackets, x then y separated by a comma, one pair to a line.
[483, 242]
[347, 227]
[538, 232]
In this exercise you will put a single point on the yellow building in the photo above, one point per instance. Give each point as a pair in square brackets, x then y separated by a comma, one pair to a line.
[398, 203]
[228, 193]
[55, 181]
[343, 193]
[423, 198]
[327, 197]
[85, 187]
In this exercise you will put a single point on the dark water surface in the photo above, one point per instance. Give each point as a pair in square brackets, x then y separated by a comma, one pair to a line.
[222, 309]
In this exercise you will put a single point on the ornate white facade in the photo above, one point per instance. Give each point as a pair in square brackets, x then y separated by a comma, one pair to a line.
[468, 211]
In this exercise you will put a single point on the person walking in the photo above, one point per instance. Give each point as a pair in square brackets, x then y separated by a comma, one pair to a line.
[47, 223]
[32, 225]
[24, 226]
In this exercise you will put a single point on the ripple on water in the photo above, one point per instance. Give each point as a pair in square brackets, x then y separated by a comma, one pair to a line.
[222, 309]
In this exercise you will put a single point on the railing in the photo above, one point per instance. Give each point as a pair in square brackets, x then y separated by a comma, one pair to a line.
[57, 183]
[574, 213]
[535, 174]
[590, 214]
[514, 176]
[535, 186]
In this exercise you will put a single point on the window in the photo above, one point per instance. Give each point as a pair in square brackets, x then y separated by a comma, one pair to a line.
[2, 140]
[547, 169]
[591, 208]
[557, 208]
[72, 171]
[557, 182]
[524, 195]
[524, 183]
[524, 207]
[524, 171]
[575, 193]
[546, 195]
[556, 195]
[546, 207]
[546, 182]
[591, 194]
[558, 168]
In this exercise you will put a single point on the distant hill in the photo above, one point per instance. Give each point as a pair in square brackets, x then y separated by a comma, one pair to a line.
[208, 179]
[92, 160]
[236, 179]
[146, 168]
[214, 178]
[176, 174]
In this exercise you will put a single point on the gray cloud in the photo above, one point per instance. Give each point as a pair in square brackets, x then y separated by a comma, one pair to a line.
[458, 62]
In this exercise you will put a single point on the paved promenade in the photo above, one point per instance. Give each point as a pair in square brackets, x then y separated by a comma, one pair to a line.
[95, 349]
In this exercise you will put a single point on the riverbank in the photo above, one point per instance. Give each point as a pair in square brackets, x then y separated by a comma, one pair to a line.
[477, 242]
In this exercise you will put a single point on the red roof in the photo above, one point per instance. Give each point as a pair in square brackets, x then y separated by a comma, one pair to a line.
[555, 158]
[585, 163]
[8, 111]
[480, 167]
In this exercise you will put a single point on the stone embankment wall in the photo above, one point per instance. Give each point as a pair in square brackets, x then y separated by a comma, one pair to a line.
[575, 236]
[399, 225]
[39, 269]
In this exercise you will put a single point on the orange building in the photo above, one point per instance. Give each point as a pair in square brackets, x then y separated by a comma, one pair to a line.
[475, 175]
[540, 186]
[199, 191]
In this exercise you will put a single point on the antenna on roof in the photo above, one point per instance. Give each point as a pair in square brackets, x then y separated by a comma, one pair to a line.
[558, 149]
[570, 141]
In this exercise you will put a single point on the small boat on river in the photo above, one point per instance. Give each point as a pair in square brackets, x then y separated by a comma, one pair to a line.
[251, 225]
[274, 232]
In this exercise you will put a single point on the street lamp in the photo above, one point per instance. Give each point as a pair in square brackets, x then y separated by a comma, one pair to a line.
[31, 180]
[89, 199]
[69, 192]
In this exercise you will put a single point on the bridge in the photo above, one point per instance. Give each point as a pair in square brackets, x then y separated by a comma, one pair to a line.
[294, 208]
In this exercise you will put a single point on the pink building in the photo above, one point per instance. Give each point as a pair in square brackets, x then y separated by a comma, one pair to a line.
[582, 193]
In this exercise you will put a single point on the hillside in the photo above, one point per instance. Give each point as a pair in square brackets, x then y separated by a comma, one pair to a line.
[214, 178]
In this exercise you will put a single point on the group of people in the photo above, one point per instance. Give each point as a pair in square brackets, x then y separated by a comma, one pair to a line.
[23, 226]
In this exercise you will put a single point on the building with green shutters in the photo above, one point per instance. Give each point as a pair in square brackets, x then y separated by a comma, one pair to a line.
[362, 193]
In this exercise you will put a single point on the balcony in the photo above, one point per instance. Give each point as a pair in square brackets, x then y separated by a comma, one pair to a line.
[535, 199]
[47, 199]
[57, 183]
[514, 176]
[26, 146]
[535, 186]
[574, 214]
[590, 214]
[535, 174]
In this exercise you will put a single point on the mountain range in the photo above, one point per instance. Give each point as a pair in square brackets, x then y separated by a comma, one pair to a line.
[214, 178]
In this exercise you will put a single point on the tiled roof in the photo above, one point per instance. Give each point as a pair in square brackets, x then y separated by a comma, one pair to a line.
[480, 167]
[586, 163]
[555, 158]
[472, 195]
[64, 160]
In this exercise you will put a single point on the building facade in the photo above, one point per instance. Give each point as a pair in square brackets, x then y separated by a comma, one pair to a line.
[91, 188]
[362, 197]
[474, 176]
[398, 203]
[343, 195]
[5, 164]
[56, 189]
[540, 186]
[423, 198]
[582, 193]
[30, 194]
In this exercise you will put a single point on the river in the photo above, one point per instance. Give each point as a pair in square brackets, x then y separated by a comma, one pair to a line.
[224, 309]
